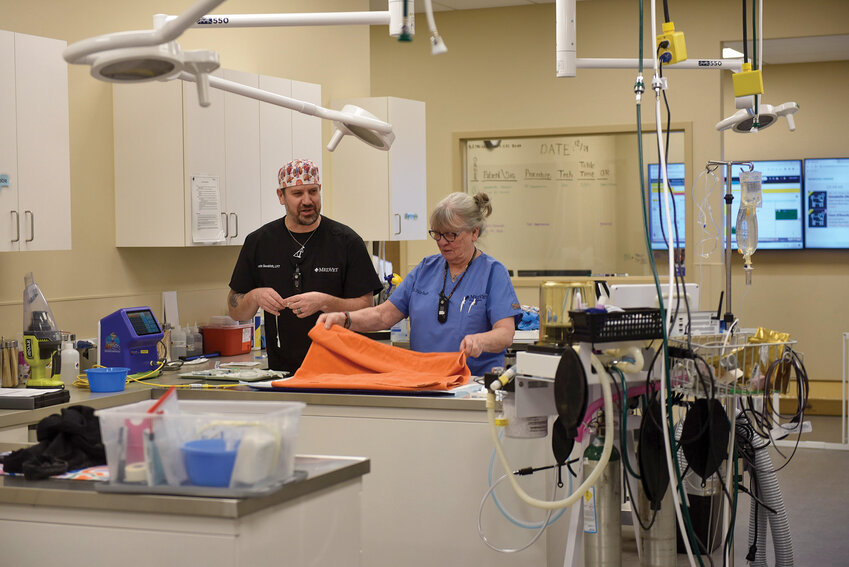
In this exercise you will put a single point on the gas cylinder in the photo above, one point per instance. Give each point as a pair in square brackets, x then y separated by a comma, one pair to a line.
[602, 506]
[657, 544]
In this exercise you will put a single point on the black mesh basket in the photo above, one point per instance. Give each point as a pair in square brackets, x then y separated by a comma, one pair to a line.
[633, 324]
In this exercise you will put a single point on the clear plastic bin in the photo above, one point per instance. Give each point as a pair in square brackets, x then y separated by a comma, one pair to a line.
[144, 449]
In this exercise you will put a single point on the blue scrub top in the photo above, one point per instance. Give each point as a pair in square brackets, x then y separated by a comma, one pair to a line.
[484, 296]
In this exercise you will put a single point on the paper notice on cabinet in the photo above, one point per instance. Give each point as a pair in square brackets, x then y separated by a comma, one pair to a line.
[206, 210]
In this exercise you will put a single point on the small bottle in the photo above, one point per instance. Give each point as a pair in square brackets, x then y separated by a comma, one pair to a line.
[198, 339]
[191, 349]
[70, 362]
[178, 343]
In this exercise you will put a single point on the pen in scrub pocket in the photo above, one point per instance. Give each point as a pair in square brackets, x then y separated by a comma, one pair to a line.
[462, 303]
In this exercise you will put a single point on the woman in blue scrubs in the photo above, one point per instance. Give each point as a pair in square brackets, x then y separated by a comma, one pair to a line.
[458, 300]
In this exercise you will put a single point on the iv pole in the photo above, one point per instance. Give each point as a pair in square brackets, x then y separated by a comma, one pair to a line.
[729, 198]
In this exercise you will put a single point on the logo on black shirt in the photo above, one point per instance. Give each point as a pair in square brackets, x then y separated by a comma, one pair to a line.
[273, 266]
[332, 270]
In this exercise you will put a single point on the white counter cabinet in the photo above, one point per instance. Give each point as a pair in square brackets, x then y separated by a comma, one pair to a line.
[35, 170]
[164, 140]
[383, 195]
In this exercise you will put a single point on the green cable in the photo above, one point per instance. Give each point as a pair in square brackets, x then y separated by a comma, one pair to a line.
[623, 423]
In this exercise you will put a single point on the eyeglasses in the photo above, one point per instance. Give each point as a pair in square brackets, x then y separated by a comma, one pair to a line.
[448, 236]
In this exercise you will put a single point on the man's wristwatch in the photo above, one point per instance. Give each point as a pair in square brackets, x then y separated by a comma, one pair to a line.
[347, 324]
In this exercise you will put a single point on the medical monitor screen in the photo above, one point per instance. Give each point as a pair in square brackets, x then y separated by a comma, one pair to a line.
[143, 322]
[780, 214]
[657, 212]
[827, 203]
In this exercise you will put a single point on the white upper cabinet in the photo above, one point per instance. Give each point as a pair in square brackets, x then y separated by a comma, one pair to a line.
[187, 175]
[35, 170]
[383, 195]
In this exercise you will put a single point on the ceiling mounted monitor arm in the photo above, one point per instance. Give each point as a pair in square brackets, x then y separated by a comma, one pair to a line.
[568, 63]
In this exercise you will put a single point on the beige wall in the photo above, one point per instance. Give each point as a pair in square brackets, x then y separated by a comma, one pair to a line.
[95, 278]
[499, 74]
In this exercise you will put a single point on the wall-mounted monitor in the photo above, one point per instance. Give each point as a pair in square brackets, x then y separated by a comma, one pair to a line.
[780, 214]
[658, 226]
[827, 203]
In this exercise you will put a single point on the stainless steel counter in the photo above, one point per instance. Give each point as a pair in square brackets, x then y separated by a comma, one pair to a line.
[206, 390]
[321, 472]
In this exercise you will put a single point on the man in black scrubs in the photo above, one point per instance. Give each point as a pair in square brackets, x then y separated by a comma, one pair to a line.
[299, 266]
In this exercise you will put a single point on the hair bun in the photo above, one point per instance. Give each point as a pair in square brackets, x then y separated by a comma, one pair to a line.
[483, 203]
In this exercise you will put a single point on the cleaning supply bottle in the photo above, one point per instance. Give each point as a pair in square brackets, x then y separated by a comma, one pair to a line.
[70, 362]
[191, 349]
[178, 343]
[197, 340]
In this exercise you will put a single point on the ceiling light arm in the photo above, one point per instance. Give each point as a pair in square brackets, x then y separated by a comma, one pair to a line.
[292, 104]
[79, 52]
[289, 20]
[734, 65]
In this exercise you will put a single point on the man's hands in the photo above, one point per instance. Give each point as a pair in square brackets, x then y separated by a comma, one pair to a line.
[302, 304]
[306, 304]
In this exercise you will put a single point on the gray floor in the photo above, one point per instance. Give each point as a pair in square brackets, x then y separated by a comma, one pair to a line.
[816, 497]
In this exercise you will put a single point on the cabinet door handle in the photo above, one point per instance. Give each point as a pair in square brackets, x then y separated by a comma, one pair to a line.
[17, 226]
[236, 222]
[226, 226]
[399, 224]
[31, 225]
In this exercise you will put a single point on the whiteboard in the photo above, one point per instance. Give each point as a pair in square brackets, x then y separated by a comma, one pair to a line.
[564, 202]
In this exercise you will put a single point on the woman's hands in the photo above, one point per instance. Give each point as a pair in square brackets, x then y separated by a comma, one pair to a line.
[330, 319]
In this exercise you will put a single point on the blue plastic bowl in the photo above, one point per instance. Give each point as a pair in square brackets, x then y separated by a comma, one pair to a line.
[107, 379]
[209, 462]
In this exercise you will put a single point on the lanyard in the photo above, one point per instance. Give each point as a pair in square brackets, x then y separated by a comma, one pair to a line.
[442, 311]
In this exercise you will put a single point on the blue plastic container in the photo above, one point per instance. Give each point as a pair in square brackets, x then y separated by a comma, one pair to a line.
[209, 462]
[107, 379]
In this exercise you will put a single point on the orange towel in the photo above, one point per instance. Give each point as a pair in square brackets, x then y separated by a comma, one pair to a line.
[341, 359]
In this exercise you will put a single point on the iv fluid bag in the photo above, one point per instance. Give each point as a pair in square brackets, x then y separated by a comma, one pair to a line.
[747, 231]
[750, 189]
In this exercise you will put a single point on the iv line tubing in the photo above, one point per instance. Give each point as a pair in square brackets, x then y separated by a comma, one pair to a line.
[578, 494]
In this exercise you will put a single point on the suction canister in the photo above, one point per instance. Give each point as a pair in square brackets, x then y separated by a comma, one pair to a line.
[602, 504]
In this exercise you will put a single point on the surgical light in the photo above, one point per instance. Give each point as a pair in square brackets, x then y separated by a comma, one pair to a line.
[154, 55]
[745, 120]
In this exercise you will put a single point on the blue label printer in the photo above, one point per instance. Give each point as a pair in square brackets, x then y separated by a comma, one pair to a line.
[128, 338]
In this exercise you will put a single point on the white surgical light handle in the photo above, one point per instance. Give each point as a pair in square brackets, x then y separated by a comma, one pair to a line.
[578, 493]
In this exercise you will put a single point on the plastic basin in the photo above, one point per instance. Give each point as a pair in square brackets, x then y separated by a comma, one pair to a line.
[107, 379]
[209, 462]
